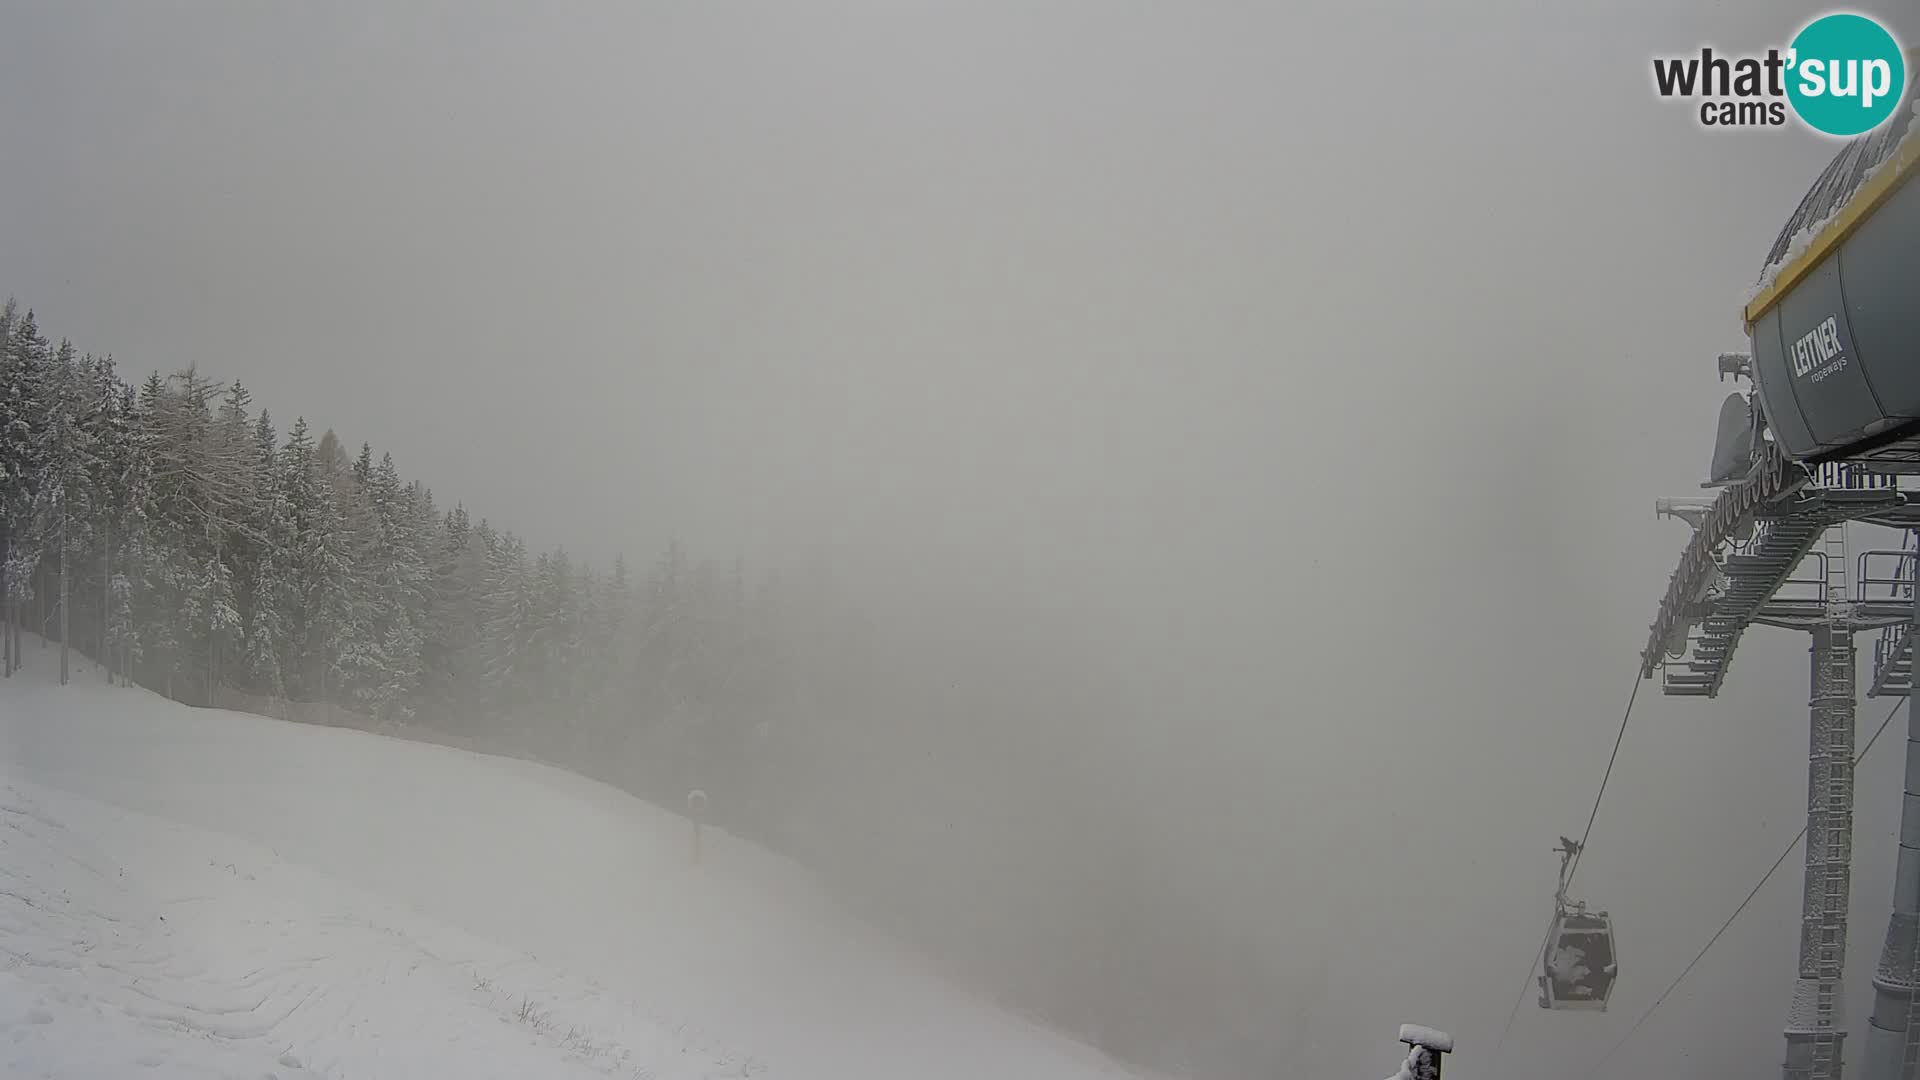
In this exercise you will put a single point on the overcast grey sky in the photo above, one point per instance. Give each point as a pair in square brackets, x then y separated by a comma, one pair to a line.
[1307, 370]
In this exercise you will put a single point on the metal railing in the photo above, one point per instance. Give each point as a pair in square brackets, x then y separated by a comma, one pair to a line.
[1848, 476]
[1806, 589]
[1883, 570]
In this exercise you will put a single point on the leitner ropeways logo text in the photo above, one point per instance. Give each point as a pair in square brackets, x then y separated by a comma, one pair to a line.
[1843, 75]
[1819, 352]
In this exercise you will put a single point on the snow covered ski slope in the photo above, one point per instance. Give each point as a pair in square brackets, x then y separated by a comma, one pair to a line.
[193, 893]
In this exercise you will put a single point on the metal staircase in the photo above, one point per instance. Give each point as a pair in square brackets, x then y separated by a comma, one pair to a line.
[1749, 579]
[1769, 549]
[1773, 550]
[1891, 572]
[1892, 663]
[1792, 573]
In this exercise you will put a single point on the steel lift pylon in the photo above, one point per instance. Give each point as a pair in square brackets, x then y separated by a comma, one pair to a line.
[1823, 439]
[1746, 565]
[1893, 1029]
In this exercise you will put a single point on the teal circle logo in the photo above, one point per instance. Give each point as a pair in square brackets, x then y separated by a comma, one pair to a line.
[1846, 75]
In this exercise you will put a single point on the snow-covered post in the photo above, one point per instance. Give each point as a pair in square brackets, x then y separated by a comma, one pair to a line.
[696, 810]
[1424, 1049]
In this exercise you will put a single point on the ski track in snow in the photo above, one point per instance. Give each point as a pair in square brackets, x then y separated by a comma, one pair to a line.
[131, 946]
[192, 893]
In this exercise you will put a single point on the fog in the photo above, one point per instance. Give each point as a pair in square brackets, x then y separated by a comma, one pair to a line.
[1236, 427]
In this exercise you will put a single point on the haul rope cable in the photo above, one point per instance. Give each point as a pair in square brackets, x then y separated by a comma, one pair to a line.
[1684, 972]
[1572, 866]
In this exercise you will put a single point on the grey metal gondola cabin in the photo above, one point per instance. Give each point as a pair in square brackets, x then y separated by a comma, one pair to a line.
[1578, 963]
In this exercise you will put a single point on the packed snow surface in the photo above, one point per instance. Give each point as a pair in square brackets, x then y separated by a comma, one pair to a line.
[194, 893]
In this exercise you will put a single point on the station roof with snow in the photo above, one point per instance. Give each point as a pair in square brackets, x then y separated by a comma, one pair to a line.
[1834, 318]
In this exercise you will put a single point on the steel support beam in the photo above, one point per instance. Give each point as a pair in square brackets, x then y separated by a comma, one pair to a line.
[1893, 1031]
[1816, 1022]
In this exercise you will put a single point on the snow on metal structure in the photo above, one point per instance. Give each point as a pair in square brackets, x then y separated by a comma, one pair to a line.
[1833, 421]
[1815, 1028]
[1425, 1048]
[1415, 1035]
[1834, 320]
[1893, 1027]
[1796, 514]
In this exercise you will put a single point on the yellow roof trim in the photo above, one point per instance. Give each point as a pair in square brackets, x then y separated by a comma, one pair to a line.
[1897, 170]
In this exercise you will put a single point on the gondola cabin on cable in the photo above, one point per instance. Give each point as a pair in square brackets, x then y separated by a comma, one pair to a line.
[1578, 964]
